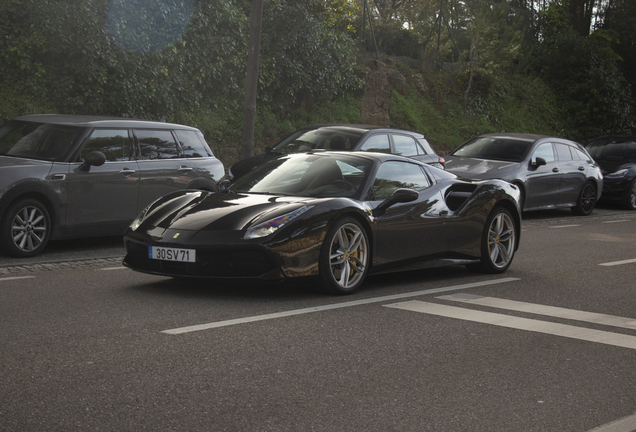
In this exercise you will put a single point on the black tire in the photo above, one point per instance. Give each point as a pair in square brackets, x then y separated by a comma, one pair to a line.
[25, 228]
[344, 257]
[630, 199]
[586, 201]
[498, 242]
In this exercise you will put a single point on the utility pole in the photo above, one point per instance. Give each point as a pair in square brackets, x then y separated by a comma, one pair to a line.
[251, 81]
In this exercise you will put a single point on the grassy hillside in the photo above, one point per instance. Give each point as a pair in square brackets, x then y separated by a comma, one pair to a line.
[496, 104]
[511, 103]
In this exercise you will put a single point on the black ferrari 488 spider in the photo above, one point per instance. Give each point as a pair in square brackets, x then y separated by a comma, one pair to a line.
[334, 216]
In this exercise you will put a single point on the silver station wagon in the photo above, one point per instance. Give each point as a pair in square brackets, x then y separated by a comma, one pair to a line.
[64, 176]
[550, 172]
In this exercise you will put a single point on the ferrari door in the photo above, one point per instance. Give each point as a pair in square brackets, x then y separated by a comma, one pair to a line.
[407, 230]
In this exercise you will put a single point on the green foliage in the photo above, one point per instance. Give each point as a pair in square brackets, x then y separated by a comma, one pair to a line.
[584, 74]
[303, 60]
[185, 60]
[164, 58]
[620, 24]
[505, 102]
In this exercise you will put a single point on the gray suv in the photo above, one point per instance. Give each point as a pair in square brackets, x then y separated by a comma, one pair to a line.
[345, 137]
[64, 176]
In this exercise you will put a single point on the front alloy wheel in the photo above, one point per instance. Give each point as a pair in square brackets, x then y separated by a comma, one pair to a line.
[344, 258]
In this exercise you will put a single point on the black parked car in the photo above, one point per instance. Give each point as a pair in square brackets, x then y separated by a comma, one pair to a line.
[345, 138]
[617, 157]
[550, 172]
[334, 215]
[65, 176]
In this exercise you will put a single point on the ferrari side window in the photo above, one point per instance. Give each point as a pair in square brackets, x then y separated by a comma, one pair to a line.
[394, 175]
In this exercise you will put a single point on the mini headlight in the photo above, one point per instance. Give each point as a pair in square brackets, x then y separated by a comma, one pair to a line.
[269, 227]
[617, 174]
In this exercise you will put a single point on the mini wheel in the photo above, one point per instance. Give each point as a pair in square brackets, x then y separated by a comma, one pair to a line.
[25, 228]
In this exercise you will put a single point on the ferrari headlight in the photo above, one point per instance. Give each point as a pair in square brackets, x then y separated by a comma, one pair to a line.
[135, 224]
[269, 227]
[617, 174]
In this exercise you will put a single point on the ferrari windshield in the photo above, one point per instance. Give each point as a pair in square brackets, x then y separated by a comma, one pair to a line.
[310, 175]
[37, 140]
[613, 149]
[492, 148]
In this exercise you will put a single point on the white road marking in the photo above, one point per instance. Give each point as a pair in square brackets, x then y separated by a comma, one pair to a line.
[626, 424]
[564, 226]
[556, 312]
[508, 321]
[616, 221]
[113, 268]
[615, 263]
[15, 277]
[333, 306]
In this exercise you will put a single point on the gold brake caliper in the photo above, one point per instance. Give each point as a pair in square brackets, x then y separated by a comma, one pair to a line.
[354, 254]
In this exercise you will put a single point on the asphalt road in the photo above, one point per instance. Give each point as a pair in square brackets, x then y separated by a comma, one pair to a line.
[548, 346]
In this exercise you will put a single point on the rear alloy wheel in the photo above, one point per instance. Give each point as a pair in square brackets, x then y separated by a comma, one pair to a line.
[344, 257]
[586, 200]
[498, 242]
[25, 228]
[630, 201]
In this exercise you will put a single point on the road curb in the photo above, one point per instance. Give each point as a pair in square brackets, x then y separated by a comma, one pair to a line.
[60, 265]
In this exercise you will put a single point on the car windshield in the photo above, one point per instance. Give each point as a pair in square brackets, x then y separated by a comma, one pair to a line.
[310, 175]
[37, 140]
[317, 139]
[613, 149]
[492, 148]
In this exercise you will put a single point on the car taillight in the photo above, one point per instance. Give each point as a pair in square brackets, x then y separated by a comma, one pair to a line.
[442, 161]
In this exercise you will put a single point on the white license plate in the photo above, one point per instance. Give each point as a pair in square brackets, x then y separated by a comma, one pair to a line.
[171, 254]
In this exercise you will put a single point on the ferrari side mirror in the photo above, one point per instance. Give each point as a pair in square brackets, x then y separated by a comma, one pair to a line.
[399, 196]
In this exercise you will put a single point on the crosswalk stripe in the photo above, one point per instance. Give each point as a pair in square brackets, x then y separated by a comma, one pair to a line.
[615, 263]
[381, 299]
[551, 311]
[508, 321]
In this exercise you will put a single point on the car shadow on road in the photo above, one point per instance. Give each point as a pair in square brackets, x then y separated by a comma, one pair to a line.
[305, 288]
[210, 289]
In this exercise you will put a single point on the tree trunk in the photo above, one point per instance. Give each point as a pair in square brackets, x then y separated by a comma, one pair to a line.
[251, 81]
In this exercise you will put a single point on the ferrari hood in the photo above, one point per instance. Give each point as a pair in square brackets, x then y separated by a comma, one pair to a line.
[479, 168]
[198, 211]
